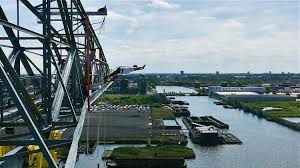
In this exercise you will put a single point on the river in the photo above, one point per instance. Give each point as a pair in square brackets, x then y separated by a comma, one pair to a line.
[265, 144]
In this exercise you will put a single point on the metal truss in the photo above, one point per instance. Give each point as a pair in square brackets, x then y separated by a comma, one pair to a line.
[63, 95]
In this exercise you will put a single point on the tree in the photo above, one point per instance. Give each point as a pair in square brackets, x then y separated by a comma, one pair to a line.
[269, 90]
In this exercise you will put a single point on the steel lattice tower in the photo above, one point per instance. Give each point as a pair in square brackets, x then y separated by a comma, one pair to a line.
[60, 84]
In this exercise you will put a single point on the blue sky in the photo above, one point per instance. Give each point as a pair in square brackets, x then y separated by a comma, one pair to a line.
[199, 35]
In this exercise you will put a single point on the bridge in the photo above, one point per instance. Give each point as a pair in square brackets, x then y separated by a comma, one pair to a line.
[62, 86]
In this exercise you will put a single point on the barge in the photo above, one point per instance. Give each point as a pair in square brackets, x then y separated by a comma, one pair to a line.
[219, 103]
[201, 134]
[179, 110]
[171, 100]
[228, 106]
[210, 120]
[157, 162]
[207, 131]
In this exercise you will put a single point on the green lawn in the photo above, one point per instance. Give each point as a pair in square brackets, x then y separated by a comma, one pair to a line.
[162, 113]
[289, 108]
[118, 99]
[153, 151]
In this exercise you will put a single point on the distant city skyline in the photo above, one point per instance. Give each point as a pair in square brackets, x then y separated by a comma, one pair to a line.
[195, 36]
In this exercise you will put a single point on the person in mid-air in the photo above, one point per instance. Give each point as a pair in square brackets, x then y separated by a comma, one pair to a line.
[123, 70]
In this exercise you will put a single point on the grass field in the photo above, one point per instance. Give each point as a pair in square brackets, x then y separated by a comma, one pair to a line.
[289, 108]
[172, 151]
[162, 113]
[118, 99]
[159, 114]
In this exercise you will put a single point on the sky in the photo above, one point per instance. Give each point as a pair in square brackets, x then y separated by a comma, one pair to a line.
[198, 36]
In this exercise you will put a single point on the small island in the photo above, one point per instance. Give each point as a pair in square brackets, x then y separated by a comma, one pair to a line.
[152, 156]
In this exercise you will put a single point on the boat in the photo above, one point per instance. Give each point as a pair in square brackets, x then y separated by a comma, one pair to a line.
[179, 102]
[219, 103]
[228, 106]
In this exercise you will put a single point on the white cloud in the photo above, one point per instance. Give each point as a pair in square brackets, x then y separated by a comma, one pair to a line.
[200, 37]
[231, 23]
[163, 4]
[196, 41]
[268, 28]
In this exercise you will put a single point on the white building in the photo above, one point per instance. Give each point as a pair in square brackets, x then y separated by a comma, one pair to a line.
[213, 89]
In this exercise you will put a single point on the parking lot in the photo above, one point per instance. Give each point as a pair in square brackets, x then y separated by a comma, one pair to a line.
[118, 121]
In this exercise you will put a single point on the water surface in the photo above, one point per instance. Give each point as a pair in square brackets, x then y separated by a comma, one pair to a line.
[265, 144]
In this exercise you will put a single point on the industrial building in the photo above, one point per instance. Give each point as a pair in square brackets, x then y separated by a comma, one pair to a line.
[251, 97]
[133, 85]
[171, 124]
[213, 89]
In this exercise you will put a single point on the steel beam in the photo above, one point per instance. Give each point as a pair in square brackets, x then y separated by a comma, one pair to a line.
[9, 78]
[8, 30]
[74, 65]
[24, 30]
[90, 13]
[59, 94]
[39, 16]
[38, 119]
[64, 89]
[71, 160]
[46, 90]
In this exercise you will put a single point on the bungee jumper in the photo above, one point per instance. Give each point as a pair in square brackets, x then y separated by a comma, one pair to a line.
[123, 70]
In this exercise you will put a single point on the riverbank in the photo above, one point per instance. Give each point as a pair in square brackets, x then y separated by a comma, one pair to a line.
[277, 111]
